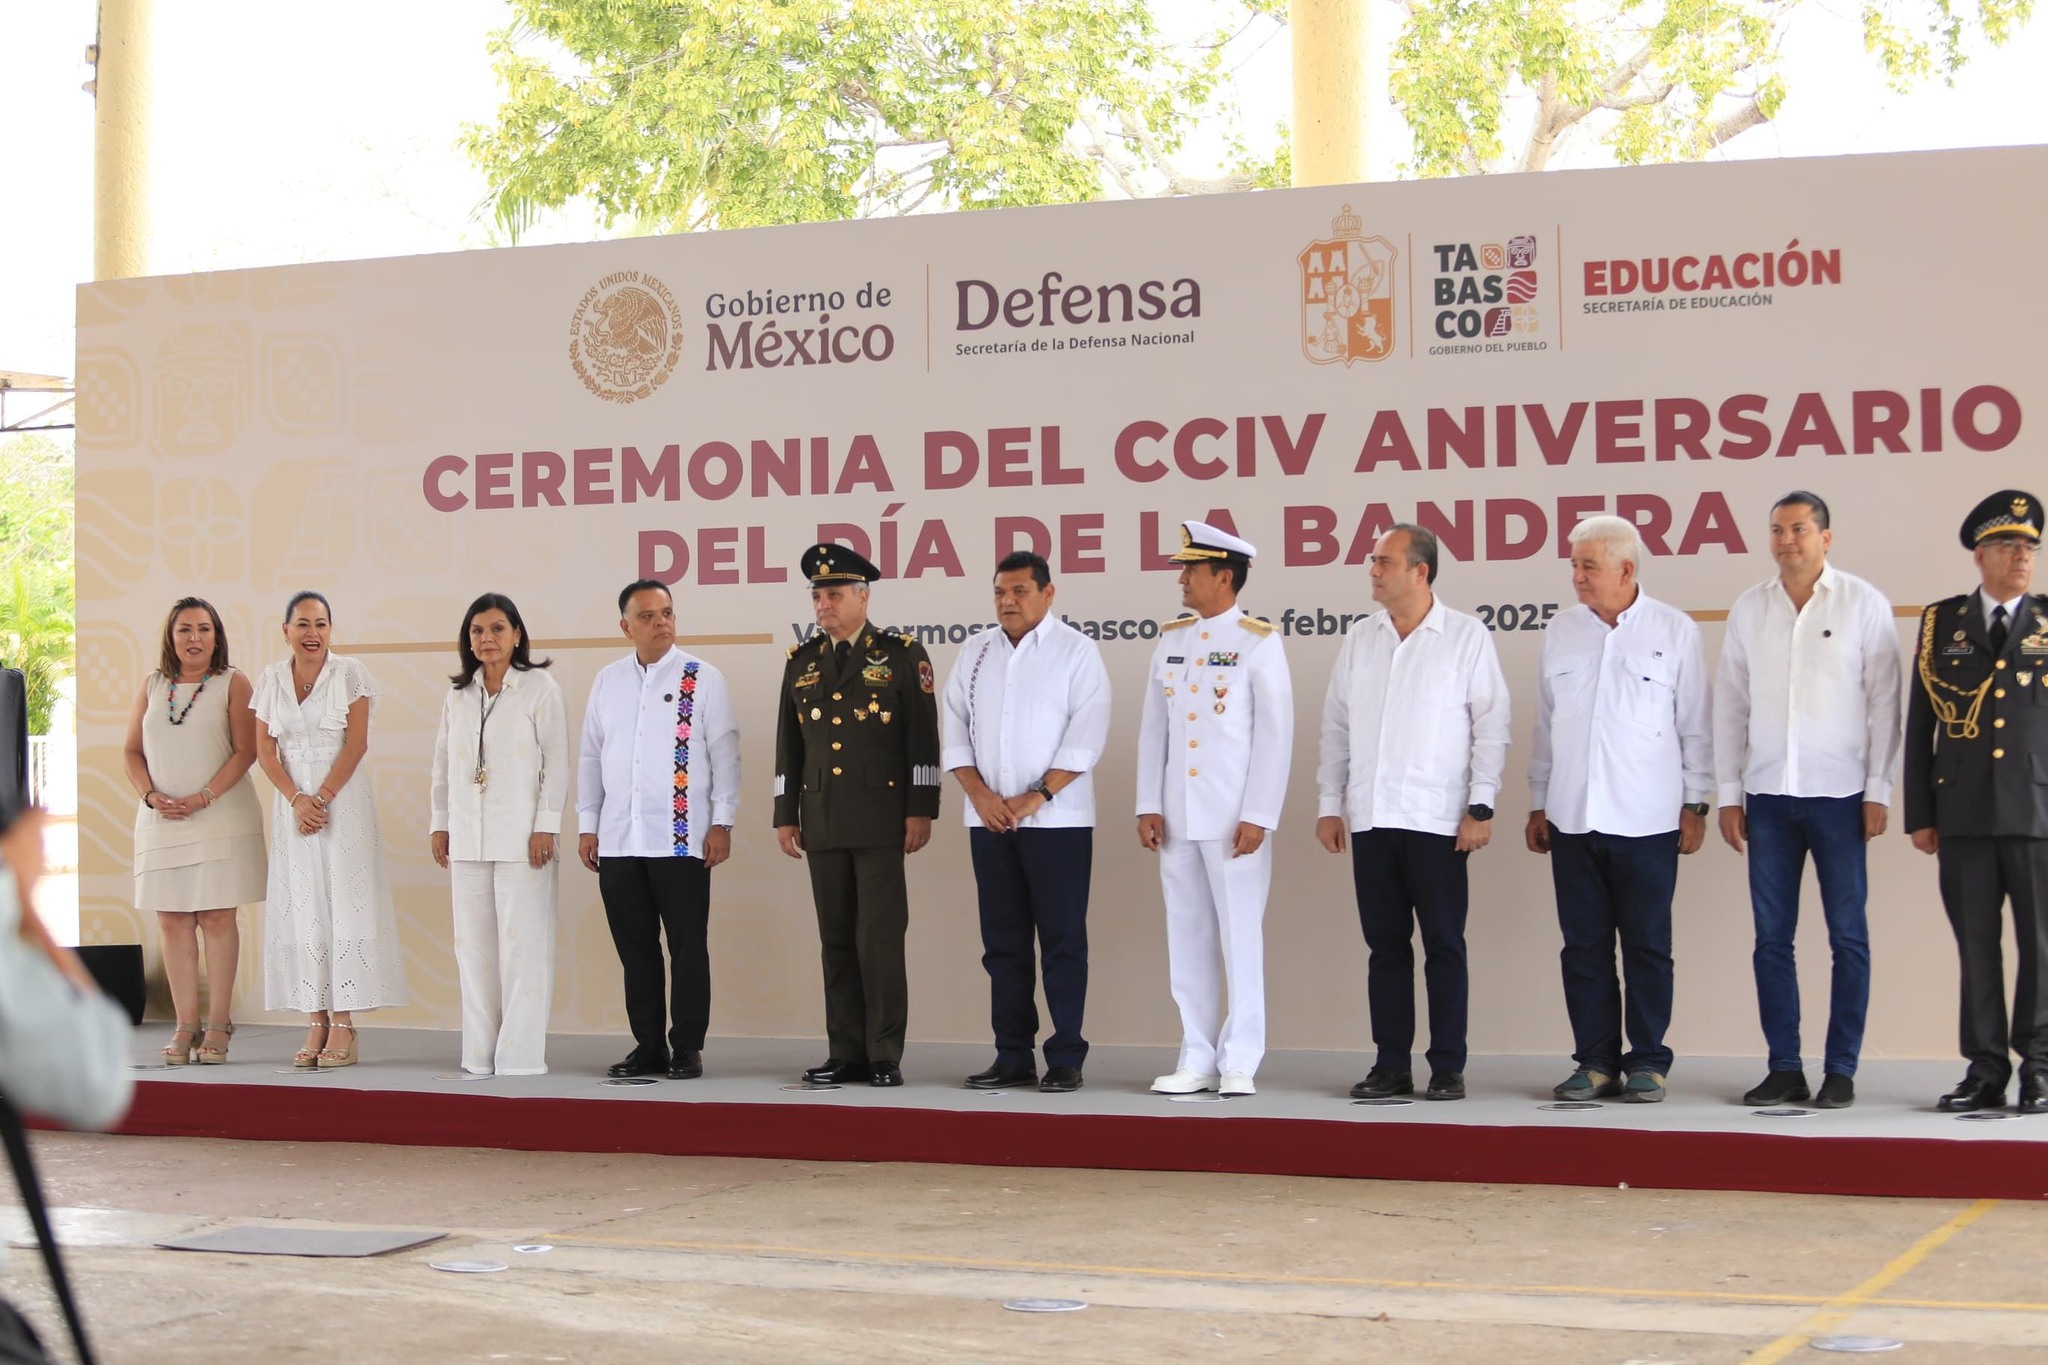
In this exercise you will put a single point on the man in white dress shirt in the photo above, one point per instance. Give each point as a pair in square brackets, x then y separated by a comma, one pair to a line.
[1415, 733]
[1214, 744]
[1024, 720]
[1806, 730]
[1619, 776]
[657, 787]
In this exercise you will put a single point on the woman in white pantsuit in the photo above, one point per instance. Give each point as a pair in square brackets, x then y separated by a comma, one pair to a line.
[501, 771]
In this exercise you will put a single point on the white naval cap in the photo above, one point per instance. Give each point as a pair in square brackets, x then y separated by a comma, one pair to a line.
[1200, 542]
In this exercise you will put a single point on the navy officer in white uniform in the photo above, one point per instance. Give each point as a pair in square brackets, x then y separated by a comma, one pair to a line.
[1213, 750]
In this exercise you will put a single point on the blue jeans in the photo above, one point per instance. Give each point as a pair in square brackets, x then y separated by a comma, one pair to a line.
[1609, 887]
[1783, 830]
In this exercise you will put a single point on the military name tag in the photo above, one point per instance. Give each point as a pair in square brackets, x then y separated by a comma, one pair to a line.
[1176, 658]
[1964, 648]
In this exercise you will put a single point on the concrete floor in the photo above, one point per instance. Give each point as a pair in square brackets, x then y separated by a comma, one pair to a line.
[723, 1259]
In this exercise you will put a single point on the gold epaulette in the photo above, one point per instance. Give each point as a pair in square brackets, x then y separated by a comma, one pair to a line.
[1257, 625]
[1177, 622]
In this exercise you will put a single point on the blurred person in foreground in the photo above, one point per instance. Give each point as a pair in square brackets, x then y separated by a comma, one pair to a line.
[63, 1044]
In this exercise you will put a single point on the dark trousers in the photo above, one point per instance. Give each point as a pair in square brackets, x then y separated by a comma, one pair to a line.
[1035, 881]
[1783, 830]
[1978, 875]
[1613, 886]
[863, 912]
[1406, 878]
[644, 898]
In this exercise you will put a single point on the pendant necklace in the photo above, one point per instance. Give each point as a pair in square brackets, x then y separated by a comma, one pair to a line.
[486, 703]
[171, 701]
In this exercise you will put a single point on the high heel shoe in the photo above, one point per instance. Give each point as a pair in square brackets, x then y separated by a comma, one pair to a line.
[307, 1058]
[179, 1056]
[334, 1057]
[209, 1055]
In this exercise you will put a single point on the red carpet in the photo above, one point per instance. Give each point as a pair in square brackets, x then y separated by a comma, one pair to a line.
[1270, 1146]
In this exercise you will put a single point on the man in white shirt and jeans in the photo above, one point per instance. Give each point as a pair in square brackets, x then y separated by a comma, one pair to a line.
[1619, 776]
[657, 787]
[1025, 719]
[1415, 733]
[1806, 731]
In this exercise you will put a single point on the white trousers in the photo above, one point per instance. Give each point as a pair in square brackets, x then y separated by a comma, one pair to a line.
[505, 963]
[1216, 949]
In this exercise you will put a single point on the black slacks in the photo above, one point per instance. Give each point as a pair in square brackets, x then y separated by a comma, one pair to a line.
[1405, 878]
[863, 913]
[643, 898]
[1978, 875]
[1035, 881]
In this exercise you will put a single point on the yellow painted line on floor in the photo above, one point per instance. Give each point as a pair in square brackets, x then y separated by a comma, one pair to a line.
[1864, 1295]
[1837, 1310]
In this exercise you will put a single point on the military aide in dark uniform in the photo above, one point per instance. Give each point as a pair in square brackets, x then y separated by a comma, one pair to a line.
[856, 788]
[1977, 793]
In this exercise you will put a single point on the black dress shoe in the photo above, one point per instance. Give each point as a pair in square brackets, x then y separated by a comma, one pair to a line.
[1973, 1093]
[637, 1063]
[2033, 1093]
[1836, 1092]
[1061, 1080]
[1445, 1085]
[686, 1065]
[836, 1072]
[885, 1073]
[1002, 1076]
[1383, 1081]
[1779, 1087]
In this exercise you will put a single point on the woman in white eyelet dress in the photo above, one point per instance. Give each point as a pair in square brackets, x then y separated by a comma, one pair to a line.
[330, 930]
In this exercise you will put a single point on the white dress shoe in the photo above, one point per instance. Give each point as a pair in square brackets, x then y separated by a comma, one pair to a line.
[1183, 1083]
[1237, 1083]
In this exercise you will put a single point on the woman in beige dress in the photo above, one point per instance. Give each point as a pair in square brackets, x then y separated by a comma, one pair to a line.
[199, 833]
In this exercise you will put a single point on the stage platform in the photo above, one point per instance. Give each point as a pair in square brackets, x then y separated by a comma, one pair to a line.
[409, 1091]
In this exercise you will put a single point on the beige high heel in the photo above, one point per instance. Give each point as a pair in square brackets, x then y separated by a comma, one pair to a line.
[332, 1058]
[307, 1058]
[209, 1055]
[179, 1056]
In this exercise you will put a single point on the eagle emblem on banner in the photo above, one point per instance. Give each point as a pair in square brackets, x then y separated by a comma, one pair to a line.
[1347, 294]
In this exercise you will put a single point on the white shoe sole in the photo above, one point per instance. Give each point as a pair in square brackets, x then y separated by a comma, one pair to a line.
[1195, 1085]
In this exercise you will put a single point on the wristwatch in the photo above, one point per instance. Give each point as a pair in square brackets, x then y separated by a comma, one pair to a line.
[1480, 813]
[1698, 808]
[1043, 790]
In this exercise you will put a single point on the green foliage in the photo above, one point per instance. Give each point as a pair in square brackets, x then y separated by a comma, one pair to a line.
[1665, 82]
[36, 580]
[733, 113]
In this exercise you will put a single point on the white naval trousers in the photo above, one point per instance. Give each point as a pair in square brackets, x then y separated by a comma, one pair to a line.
[1215, 918]
[505, 963]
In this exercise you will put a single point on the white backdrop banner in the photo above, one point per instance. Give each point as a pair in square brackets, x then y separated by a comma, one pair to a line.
[1495, 359]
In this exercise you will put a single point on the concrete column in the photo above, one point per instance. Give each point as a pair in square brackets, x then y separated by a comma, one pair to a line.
[120, 177]
[1330, 97]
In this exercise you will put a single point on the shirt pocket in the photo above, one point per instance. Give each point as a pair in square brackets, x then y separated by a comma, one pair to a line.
[1649, 689]
[1569, 680]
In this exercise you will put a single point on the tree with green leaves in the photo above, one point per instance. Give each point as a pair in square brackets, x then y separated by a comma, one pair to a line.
[733, 113]
[1667, 82]
[37, 601]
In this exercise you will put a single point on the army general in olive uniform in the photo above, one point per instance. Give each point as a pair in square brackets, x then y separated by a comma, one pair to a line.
[1977, 793]
[856, 788]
